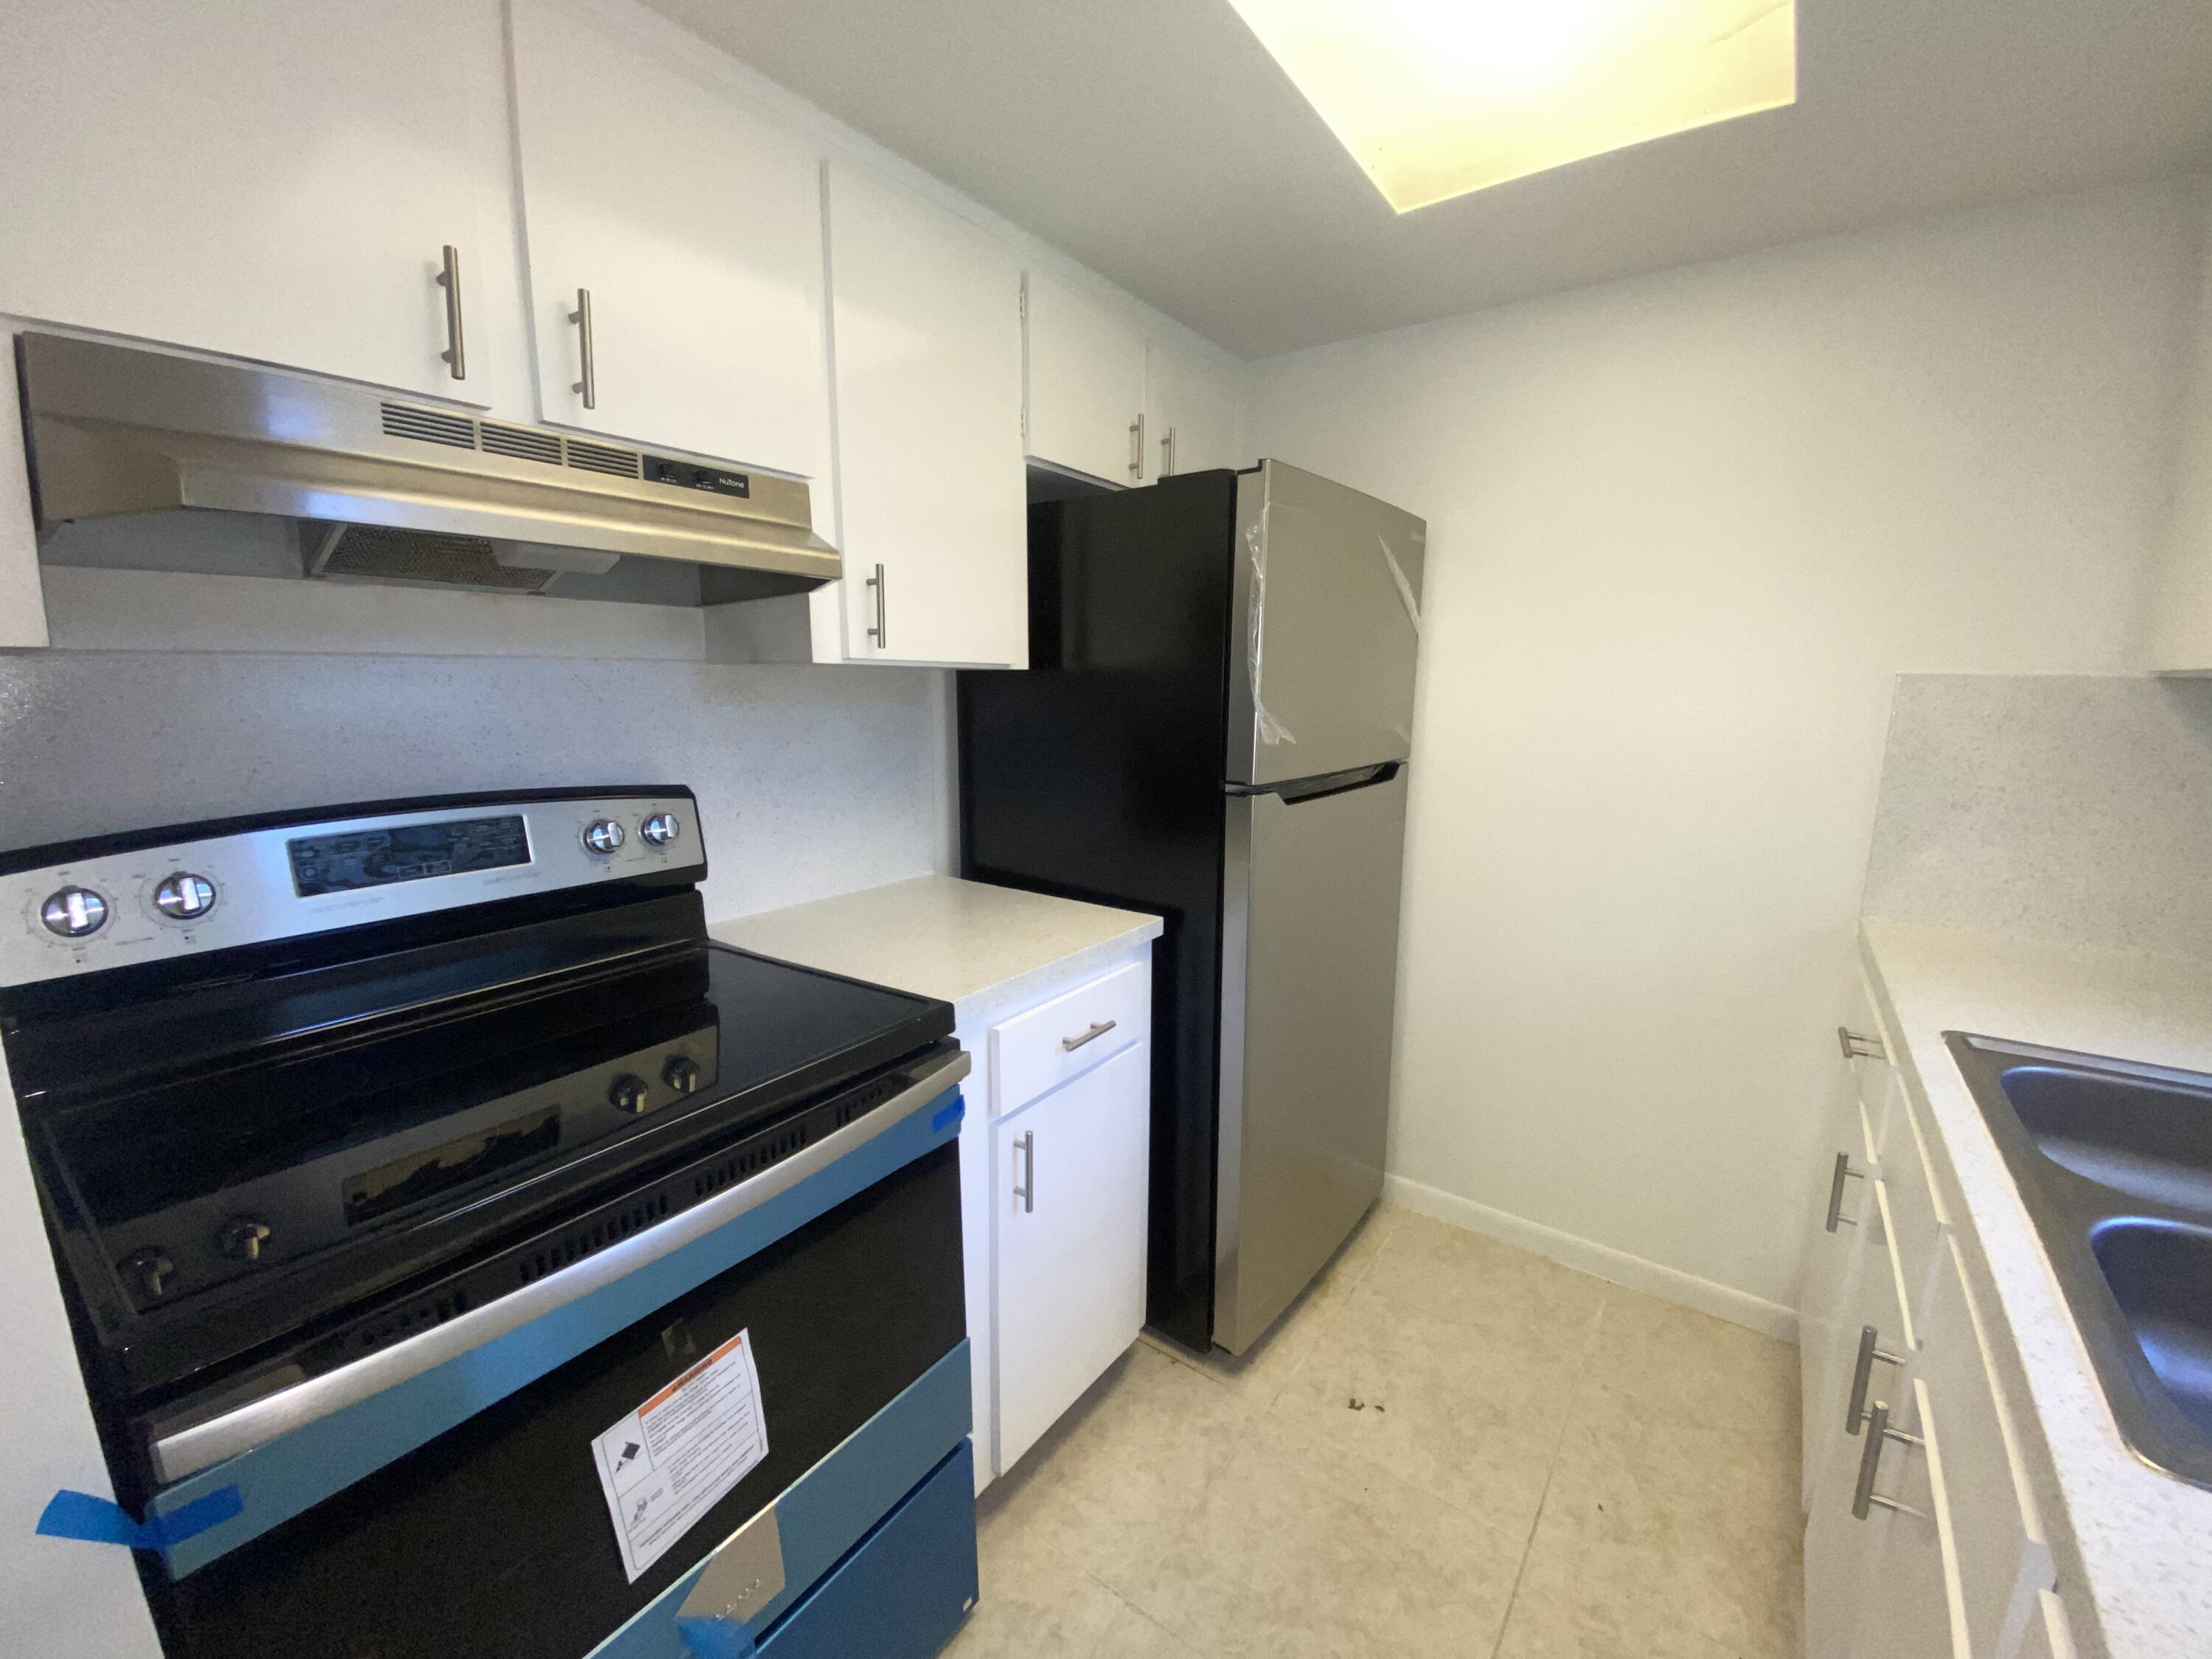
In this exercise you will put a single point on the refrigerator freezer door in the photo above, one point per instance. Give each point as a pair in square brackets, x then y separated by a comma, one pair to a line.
[1308, 980]
[1327, 618]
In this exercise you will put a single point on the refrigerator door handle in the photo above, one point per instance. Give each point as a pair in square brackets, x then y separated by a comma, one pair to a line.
[1296, 792]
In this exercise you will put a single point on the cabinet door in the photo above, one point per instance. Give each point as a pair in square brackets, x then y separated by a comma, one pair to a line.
[1072, 1183]
[697, 230]
[1191, 413]
[1910, 1590]
[927, 343]
[1085, 367]
[258, 177]
[1841, 1548]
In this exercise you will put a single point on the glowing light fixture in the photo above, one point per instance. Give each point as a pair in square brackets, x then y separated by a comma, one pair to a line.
[1435, 98]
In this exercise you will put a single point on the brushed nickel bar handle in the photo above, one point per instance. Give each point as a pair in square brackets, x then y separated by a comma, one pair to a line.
[582, 316]
[455, 356]
[1854, 1412]
[1098, 1029]
[1026, 1191]
[881, 633]
[1137, 449]
[1857, 1046]
[1168, 453]
[1864, 1496]
[1843, 1172]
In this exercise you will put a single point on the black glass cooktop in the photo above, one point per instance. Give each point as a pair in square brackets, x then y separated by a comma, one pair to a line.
[352, 1152]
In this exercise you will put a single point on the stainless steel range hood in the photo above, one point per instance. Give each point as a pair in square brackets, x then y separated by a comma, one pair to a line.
[122, 439]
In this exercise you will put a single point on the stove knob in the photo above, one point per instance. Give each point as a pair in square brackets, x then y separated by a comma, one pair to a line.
[626, 1094]
[184, 895]
[74, 912]
[603, 836]
[681, 1073]
[661, 829]
[241, 1240]
[150, 1270]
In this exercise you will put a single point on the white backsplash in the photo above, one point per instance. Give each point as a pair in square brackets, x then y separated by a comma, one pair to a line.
[810, 781]
[2073, 808]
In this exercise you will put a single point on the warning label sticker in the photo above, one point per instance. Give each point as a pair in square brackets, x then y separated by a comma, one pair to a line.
[673, 1459]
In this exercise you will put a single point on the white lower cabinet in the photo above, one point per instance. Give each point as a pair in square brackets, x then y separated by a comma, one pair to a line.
[2049, 1636]
[1071, 1171]
[1055, 1188]
[1921, 1538]
[1906, 1607]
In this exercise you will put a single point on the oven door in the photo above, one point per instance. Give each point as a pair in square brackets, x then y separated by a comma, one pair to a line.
[493, 1536]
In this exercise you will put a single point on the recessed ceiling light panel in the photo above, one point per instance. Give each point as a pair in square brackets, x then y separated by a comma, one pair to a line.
[1435, 98]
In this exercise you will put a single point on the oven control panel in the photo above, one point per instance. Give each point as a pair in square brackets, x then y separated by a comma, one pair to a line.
[255, 1225]
[210, 893]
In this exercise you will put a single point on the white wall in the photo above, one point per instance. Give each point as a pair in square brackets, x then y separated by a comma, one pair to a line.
[2181, 617]
[1684, 531]
[811, 781]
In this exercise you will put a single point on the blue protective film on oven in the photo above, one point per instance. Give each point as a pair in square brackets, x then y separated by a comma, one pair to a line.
[96, 1521]
[717, 1638]
[952, 1112]
[299, 1470]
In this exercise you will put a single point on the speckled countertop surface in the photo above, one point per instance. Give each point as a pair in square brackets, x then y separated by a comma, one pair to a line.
[2133, 1546]
[965, 941]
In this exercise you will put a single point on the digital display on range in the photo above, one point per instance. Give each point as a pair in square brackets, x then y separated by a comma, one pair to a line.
[414, 851]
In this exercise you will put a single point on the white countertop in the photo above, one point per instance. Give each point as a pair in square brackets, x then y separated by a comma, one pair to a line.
[966, 942]
[2140, 1586]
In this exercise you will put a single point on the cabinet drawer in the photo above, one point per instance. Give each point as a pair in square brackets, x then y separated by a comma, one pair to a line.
[905, 1591]
[1066, 1037]
[1919, 1222]
[2003, 1559]
[2049, 1636]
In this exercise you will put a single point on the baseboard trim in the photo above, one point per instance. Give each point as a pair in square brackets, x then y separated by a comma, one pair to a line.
[1601, 1261]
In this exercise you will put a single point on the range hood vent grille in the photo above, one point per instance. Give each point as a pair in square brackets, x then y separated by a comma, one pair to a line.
[604, 458]
[521, 443]
[431, 426]
[437, 426]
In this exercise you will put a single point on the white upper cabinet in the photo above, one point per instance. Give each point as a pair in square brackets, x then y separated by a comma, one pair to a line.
[257, 177]
[1085, 407]
[1191, 409]
[695, 232]
[926, 328]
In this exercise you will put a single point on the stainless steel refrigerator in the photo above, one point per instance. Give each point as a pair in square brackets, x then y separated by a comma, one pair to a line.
[1216, 726]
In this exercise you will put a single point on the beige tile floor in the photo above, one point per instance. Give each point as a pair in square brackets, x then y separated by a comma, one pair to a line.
[1447, 1447]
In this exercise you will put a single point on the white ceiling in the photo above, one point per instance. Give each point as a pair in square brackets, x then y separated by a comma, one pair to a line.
[1156, 142]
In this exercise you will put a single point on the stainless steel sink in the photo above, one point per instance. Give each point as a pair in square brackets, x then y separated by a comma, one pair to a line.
[2114, 1162]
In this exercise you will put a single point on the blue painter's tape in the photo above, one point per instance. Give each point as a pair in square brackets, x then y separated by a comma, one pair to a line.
[952, 1112]
[96, 1521]
[717, 1638]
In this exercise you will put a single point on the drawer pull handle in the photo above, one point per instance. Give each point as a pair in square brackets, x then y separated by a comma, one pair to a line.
[1854, 1412]
[1099, 1028]
[1843, 1172]
[1865, 1497]
[1857, 1047]
[1027, 1191]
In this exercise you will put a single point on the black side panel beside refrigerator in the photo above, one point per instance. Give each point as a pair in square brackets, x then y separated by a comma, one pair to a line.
[1096, 775]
